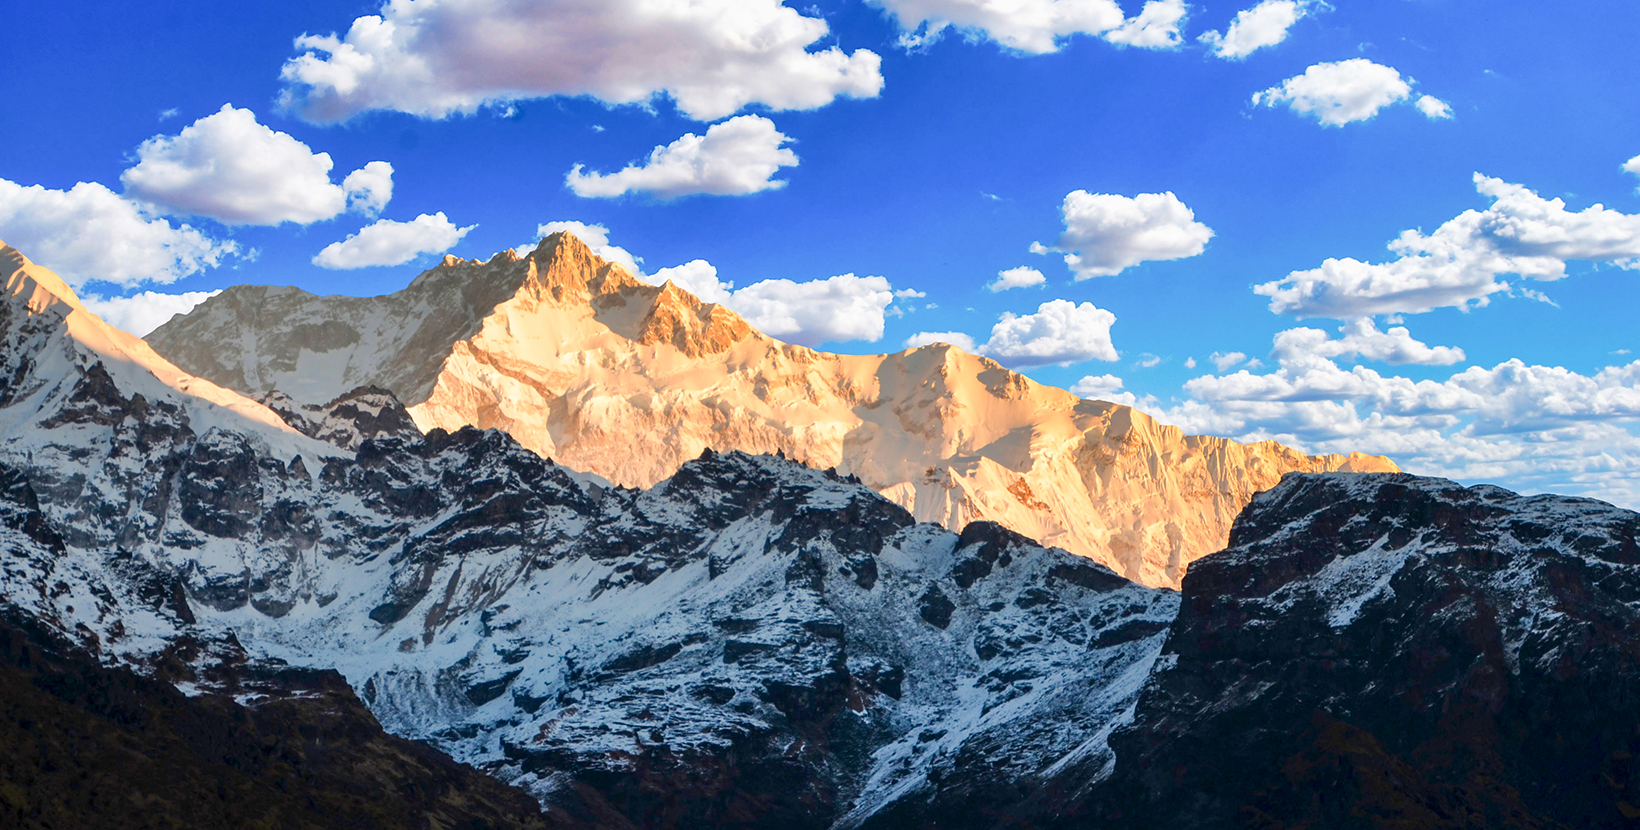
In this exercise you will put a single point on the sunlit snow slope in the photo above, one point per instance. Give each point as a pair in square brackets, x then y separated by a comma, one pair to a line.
[582, 362]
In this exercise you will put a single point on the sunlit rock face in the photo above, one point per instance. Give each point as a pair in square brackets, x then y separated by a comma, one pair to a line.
[581, 362]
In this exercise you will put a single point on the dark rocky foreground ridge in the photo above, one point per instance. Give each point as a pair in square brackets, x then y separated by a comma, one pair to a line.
[188, 583]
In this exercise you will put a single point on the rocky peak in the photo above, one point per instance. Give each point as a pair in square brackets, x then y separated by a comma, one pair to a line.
[677, 318]
[1388, 649]
[366, 413]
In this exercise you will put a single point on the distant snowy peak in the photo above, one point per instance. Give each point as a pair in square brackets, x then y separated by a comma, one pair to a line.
[583, 363]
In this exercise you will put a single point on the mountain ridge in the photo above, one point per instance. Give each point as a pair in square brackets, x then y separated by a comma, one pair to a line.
[582, 362]
[758, 643]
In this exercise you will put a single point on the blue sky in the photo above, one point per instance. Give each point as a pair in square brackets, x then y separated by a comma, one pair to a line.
[930, 159]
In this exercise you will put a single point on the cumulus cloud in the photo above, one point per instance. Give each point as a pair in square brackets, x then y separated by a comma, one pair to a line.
[1059, 332]
[1155, 27]
[1527, 425]
[1253, 29]
[1363, 341]
[838, 309]
[734, 158]
[1226, 360]
[1511, 397]
[928, 338]
[1021, 277]
[439, 57]
[89, 232]
[1458, 265]
[1433, 108]
[1106, 233]
[1036, 27]
[1633, 166]
[1109, 388]
[392, 243]
[1097, 386]
[231, 168]
[141, 313]
[1353, 90]
[369, 188]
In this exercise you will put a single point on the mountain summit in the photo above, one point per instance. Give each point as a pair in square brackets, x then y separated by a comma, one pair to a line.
[582, 362]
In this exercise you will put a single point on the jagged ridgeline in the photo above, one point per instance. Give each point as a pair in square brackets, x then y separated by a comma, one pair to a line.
[580, 361]
[189, 575]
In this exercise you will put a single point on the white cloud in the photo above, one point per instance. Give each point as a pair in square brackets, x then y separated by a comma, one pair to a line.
[1433, 108]
[230, 168]
[392, 243]
[1096, 386]
[838, 309]
[1059, 332]
[141, 313]
[1021, 277]
[1458, 265]
[1106, 233]
[734, 158]
[1633, 166]
[1036, 27]
[1032, 26]
[1190, 363]
[1225, 361]
[1156, 26]
[1109, 388]
[596, 237]
[1363, 341]
[1339, 93]
[926, 338]
[89, 232]
[1531, 427]
[1253, 29]
[369, 188]
[435, 58]
[909, 293]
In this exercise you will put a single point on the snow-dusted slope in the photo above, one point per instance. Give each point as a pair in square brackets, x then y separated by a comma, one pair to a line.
[581, 362]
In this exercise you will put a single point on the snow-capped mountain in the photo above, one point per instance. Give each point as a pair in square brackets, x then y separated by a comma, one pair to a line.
[790, 644]
[581, 362]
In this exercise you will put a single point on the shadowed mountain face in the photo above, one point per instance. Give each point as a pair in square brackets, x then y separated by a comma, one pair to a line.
[1392, 651]
[581, 362]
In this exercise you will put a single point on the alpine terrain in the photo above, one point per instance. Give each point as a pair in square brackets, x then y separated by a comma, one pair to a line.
[298, 612]
[580, 361]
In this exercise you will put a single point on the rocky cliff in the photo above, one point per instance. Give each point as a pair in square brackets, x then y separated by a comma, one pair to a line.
[1392, 651]
[581, 362]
